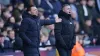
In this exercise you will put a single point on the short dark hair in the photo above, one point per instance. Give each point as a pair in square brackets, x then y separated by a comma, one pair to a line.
[29, 7]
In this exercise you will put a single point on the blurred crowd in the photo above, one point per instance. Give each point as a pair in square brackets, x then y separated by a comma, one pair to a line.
[84, 13]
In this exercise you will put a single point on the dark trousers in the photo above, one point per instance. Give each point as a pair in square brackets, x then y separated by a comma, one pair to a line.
[31, 51]
[63, 52]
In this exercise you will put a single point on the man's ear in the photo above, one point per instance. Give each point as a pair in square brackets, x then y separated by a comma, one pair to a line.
[63, 9]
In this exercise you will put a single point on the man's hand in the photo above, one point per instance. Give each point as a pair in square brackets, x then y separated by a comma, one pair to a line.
[58, 20]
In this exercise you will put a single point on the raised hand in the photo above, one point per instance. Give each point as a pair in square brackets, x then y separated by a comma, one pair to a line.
[57, 19]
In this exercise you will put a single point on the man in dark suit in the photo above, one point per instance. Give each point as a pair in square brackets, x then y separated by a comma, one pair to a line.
[29, 31]
[64, 32]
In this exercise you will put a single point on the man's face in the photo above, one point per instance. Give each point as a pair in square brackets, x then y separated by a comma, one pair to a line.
[12, 34]
[67, 9]
[21, 6]
[7, 14]
[34, 11]
[91, 2]
[10, 8]
[83, 2]
[12, 20]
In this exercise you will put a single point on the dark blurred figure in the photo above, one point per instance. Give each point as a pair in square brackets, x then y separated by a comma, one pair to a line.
[92, 9]
[93, 14]
[96, 29]
[10, 8]
[50, 6]
[5, 15]
[47, 6]
[13, 39]
[64, 32]
[56, 6]
[84, 18]
[4, 45]
[11, 36]
[17, 12]
[10, 22]
[12, 25]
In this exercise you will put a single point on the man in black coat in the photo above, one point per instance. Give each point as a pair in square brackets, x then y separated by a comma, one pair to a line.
[64, 32]
[30, 31]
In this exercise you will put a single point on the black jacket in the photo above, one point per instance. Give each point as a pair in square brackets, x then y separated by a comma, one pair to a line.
[64, 32]
[29, 30]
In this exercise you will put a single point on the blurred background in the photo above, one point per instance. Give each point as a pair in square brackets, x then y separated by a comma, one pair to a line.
[85, 13]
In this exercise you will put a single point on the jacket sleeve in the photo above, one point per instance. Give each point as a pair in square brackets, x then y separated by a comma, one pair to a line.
[58, 36]
[47, 22]
[23, 28]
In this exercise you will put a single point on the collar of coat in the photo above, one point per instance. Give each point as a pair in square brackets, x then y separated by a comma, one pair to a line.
[65, 15]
